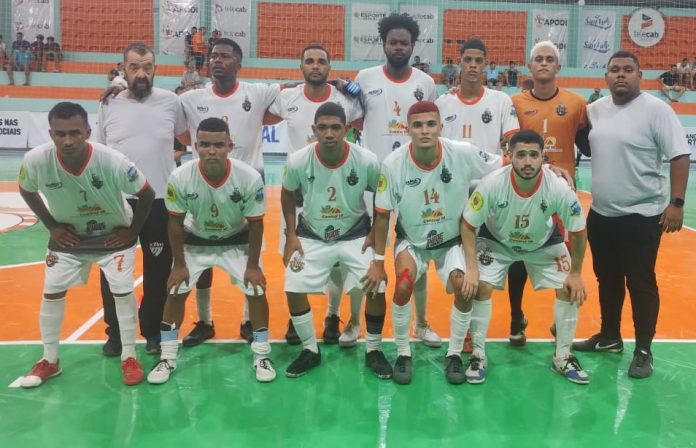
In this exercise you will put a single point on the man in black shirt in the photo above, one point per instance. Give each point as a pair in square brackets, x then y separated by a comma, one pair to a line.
[669, 81]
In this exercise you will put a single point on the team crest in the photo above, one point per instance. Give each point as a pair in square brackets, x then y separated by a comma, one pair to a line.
[171, 193]
[544, 205]
[382, 183]
[296, 264]
[246, 105]
[418, 94]
[156, 248]
[561, 110]
[51, 260]
[485, 257]
[236, 196]
[352, 178]
[97, 182]
[445, 175]
[476, 201]
[487, 116]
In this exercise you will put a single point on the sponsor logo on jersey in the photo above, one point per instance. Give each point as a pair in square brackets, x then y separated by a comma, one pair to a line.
[396, 146]
[96, 182]
[418, 94]
[476, 201]
[54, 185]
[191, 196]
[87, 210]
[132, 173]
[487, 116]
[432, 215]
[382, 183]
[412, 182]
[260, 195]
[575, 209]
[543, 205]
[485, 257]
[550, 144]
[331, 233]
[530, 112]
[296, 263]
[292, 109]
[329, 212]
[22, 173]
[246, 105]
[202, 109]
[214, 226]
[352, 178]
[445, 175]
[51, 260]
[156, 248]
[434, 239]
[503, 204]
[519, 237]
[236, 195]
[171, 193]
[95, 226]
[450, 118]
[374, 92]
[561, 110]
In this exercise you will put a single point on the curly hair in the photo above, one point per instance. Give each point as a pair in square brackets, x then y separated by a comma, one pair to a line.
[396, 21]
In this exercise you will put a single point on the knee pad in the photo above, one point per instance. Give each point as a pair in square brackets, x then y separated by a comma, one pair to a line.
[404, 288]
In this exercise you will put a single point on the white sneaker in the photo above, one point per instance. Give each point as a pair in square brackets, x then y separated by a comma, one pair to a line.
[161, 372]
[264, 370]
[428, 335]
[349, 335]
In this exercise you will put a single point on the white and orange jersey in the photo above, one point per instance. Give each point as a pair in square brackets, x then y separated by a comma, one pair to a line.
[242, 109]
[430, 199]
[298, 110]
[483, 121]
[386, 102]
[333, 194]
[519, 220]
[91, 199]
[215, 211]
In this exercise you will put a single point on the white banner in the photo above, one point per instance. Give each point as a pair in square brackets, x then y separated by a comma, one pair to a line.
[176, 19]
[365, 44]
[427, 18]
[14, 127]
[32, 17]
[233, 19]
[551, 25]
[598, 29]
[691, 140]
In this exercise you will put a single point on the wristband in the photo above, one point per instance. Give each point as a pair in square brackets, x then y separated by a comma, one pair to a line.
[379, 257]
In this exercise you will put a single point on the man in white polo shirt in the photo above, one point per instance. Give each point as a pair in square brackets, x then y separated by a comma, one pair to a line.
[631, 133]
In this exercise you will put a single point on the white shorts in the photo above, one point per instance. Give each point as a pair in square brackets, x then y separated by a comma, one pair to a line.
[547, 266]
[447, 260]
[64, 270]
[232, 259]
[309, 274]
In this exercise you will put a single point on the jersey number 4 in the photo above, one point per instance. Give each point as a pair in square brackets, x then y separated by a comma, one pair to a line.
[433, 196]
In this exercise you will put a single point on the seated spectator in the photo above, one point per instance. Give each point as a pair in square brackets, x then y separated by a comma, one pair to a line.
[52, 53]
[449, 74]
[191, 79]
[23, 57]
[37, 47]
[5, 62]
[511, 75]
[116, 80]
[492, 74]
[199, 48]
[684, 73]
[597, 94]
[669, 82]
[188, 42]
[422, 66]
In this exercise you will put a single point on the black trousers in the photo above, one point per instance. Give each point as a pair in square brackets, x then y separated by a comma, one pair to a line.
[624, 251]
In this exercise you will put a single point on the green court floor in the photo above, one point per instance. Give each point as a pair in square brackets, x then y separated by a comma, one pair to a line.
[213, 400]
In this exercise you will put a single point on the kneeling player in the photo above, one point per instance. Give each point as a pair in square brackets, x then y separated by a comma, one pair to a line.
[225, 203]
[89, 223]
[516, 204]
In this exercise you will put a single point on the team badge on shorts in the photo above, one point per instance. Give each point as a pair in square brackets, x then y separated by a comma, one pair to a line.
[156, 248]
[487, 116]
[485, 257]
[352, 178]
[97, 182]
[296, 263]
[246, 105]
[445, 175]
[51, 260]
[561, 110]
[418, 94]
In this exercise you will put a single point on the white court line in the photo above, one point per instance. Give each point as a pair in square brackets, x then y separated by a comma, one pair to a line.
[20, 265]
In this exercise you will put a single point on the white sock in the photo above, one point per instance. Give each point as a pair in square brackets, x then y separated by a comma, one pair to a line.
[245, 312]
[565, 315]
[170, 347]
[304, 326]
[480, 319]
[334, 289]
[205, 312]
[420, 296]
[372, 342]
[401, 318]
[356, 301]
[260, 346]
[459, 324]
[50, 320]
[127, 319]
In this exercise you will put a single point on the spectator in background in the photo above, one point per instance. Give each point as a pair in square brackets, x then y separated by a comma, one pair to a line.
[199, 48]
[37, 47]
[669, 82]
[117, 80]
[5, 61]
[23, 57]
[212, 41]
[20, 40]
[188, 45]
[191, 79]
[53, 53]
[492, 74]
[511, 75]
[422, 66]
[684, 73]
[450, 72]
[597, 94]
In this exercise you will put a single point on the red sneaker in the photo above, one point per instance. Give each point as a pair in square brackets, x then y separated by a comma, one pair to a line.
[468, 346]
[132, 372]
[42, 371]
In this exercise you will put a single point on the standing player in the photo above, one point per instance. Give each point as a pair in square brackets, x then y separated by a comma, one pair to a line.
[473, 113]
[560, 117]
[224, 201]
[297, 106]
[426, 181]
[89, 223]
[515, 206]
[388, 92]
[333, 226]
[242, 106]
[141, 122]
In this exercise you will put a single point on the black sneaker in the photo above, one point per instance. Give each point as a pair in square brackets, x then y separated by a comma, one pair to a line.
[403, 370]
[200, 333]
[598, 344]
[291, 336]
[111, 348]
[378, 363]
[517, 337]
[246, 331]
[642, 365]
[152, 346]
[454, 370]
[303, 363]
[331, 330]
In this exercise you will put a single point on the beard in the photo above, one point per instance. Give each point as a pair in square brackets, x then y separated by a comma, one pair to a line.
[315, 81]
[140, 87]
[398, 62]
